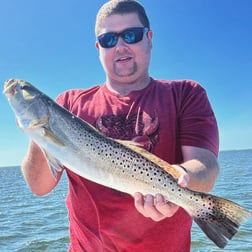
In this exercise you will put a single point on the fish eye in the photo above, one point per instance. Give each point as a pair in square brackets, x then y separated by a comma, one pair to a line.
[25, 87]
[27, 92]
[28, 88]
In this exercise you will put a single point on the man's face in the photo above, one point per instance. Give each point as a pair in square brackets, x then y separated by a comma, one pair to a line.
[125, 62]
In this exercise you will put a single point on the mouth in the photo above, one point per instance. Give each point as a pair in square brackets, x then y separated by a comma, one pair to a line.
[10, 88]
[124, 59]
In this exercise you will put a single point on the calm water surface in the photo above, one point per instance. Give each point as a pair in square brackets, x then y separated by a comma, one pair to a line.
[31, 223]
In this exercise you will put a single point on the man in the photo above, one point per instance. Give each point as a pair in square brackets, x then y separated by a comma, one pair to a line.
[172, 119]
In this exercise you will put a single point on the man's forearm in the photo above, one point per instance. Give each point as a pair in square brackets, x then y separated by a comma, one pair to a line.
[36, 171]
[202, 167]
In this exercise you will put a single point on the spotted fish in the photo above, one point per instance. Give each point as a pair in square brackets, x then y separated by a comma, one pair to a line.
[68, 141]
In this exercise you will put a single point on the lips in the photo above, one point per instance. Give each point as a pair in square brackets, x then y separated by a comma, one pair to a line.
[122, 59]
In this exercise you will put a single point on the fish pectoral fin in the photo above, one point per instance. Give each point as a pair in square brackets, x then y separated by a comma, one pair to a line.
[38, 123]
[54, 164]
[52, 138]
[151, 157]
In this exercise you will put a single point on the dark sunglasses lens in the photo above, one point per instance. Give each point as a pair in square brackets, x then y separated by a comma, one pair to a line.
[132, 36]
[108, 40]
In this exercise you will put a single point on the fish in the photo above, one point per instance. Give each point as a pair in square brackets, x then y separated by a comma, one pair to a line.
[68, 141]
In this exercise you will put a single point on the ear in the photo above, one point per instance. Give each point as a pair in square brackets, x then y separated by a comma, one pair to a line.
[150, 34]
[97, 45]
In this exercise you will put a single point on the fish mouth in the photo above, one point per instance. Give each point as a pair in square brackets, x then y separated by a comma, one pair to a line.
[10, 87]
[22, 97]
[14, 87]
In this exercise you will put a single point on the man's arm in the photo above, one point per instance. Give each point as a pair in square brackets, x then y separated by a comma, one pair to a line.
[37, 172]
[202, 170]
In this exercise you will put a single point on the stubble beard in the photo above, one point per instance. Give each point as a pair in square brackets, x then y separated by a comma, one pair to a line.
[122, 72]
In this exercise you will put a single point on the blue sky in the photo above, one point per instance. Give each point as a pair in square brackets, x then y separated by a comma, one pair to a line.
[51, 44]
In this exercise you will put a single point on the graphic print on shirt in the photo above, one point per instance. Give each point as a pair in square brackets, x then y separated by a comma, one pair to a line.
[140, 128]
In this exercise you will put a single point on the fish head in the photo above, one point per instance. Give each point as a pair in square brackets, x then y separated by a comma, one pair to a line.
[25, 100]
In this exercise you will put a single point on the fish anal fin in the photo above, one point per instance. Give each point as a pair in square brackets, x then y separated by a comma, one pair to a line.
[54, 164]
[151, 157]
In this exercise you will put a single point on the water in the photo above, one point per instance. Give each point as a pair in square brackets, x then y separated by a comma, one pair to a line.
[234, 183]
[31, 223]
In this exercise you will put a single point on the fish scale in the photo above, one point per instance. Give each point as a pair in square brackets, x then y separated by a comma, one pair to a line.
[70, 142]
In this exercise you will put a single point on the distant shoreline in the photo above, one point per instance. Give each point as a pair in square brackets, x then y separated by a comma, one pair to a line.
[10, 166]
[234, 150]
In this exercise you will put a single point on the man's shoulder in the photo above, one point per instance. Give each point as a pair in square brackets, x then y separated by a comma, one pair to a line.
[80, 91]
[177, 83]
[183, 85]
[70, 96]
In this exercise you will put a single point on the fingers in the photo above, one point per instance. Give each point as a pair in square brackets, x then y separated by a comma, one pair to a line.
[183, 180]
[156, 208]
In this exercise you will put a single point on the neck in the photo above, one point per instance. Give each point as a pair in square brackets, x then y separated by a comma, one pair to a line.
[125, 87]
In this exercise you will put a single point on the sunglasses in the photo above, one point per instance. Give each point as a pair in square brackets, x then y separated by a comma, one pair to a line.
[130, 36]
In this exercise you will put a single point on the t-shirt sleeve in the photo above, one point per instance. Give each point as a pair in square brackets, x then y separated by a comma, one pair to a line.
[63, 100]
[197, 122]
[70, 97]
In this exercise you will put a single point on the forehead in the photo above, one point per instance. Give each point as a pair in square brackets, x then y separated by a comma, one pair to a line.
[119, 22]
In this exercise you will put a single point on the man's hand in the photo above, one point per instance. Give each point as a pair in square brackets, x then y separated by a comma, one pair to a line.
[157, 207]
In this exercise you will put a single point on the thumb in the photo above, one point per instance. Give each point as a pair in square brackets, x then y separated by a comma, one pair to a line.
[183, 180]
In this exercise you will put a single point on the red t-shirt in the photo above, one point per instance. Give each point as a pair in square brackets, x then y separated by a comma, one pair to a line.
[162, 117]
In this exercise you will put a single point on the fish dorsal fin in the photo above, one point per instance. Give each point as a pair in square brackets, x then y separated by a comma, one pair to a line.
[151, 157]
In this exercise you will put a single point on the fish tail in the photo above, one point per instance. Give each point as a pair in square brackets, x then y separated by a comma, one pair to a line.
[220, 219]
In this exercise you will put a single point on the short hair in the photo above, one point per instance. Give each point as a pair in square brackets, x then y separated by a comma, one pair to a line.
[121, 7]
